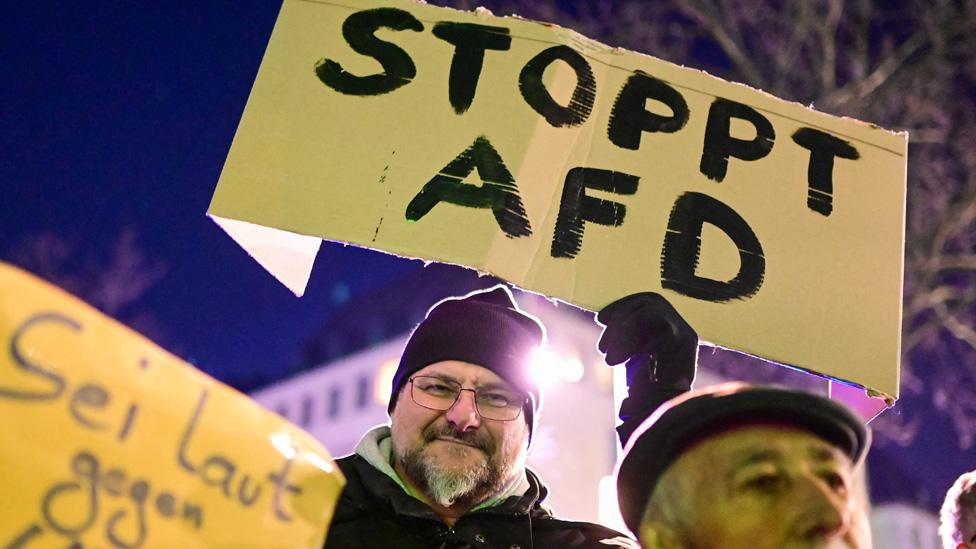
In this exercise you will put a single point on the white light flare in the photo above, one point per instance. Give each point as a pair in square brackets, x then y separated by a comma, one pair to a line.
[383, 384]
[609, 512]
[282, 442]
[549, 367]
[321, 463]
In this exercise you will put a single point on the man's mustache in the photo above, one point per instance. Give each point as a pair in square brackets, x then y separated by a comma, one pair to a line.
[474, 438]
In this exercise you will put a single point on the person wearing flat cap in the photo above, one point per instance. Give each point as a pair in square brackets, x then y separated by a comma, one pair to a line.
[957, 518]
[449, 470]
[744, 466]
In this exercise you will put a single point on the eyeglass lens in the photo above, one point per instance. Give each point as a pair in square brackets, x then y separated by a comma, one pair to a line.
[440, 394]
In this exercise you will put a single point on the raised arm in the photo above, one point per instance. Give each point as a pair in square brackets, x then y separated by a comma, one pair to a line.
[659, 348]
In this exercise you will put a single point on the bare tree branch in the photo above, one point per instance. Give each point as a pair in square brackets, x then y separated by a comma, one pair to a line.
[828, 37]
[112, 281]
[959, 329]
[859, 89]
[708, 18]
[786, 62]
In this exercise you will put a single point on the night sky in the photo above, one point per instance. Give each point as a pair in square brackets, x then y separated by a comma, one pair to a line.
[117, 117]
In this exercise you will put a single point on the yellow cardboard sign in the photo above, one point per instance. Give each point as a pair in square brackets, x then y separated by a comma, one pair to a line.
[576, 170]
[106, 440]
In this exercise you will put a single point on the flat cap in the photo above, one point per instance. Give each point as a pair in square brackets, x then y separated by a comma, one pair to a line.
[694, 416]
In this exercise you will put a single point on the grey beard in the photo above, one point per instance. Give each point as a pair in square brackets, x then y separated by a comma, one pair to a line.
[452, 485]
[465, 485]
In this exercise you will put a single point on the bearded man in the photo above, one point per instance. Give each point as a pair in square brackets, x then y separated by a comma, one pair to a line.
[449, 470]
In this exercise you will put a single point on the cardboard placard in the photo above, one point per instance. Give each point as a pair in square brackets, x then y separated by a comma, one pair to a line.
[106, 440]
[576, 170]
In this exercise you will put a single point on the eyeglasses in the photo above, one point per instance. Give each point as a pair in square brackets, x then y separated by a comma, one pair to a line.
[435, 393]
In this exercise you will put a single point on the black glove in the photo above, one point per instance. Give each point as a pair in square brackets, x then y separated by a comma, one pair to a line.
[659, 347]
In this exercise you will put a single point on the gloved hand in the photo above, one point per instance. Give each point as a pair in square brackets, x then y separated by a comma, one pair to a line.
[659, 347]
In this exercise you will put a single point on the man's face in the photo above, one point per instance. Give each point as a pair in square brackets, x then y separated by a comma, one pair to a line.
[457, 456]
[765, 486]
[967, 527]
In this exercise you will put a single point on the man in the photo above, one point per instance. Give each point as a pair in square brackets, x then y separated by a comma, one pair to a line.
[450, 470]
[742, 466]
[958, 517]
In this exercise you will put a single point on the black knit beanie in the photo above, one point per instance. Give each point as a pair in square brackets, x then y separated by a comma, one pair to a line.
[486, 328]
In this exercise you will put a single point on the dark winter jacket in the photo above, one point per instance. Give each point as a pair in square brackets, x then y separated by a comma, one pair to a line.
[375, 512]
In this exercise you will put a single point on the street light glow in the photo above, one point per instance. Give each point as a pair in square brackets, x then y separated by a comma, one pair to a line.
[547, 366]
[383, 384]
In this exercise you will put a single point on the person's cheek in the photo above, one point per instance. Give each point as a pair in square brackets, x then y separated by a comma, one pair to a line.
[858, 535]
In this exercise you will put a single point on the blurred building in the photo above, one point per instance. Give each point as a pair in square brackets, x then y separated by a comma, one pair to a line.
[904, 526]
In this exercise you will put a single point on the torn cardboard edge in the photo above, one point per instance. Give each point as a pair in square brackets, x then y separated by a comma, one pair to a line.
[287, 256]
[867, 403]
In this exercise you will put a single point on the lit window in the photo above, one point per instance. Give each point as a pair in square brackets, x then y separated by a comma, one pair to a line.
[334, 402]
[362, 392]
[282, 410]
[306, 413]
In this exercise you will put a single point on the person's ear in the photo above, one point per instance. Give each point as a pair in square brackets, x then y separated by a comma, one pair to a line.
[657, 536]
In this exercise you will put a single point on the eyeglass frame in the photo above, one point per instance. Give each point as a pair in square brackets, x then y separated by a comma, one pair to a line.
[461, 389]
